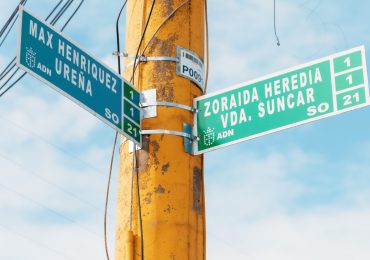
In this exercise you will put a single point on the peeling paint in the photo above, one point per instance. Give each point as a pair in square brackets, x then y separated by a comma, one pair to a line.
[155, 145]
[197, 186]
[159, 189]
[148, 198]
[168, 8]
[165, 168]
[143, 154]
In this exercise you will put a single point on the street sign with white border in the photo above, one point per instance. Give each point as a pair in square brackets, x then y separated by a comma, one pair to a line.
[299, 95]
[54, 59]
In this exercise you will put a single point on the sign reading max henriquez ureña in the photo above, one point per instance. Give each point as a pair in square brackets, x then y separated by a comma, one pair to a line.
[52, 58]
[302, 94]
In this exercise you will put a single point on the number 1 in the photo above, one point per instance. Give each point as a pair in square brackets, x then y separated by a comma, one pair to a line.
[349, 79]
[348, 61]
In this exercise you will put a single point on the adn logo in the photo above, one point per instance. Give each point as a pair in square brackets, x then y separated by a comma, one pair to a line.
[209, 136]
[30, 58]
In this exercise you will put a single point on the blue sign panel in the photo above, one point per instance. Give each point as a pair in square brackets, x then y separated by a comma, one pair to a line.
[52, 58]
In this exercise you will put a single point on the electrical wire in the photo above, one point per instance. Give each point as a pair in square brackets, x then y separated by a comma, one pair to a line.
[3, 29]
[115, 138]
[107, 196]
[158, 29]
[11, 27]
[118, 38]
[61, 12]
[73, 14]
[54, 9]
[53, 22]
[41, 205]
[97, 171]
[141, 41]
[277, 38]
[134, 155]
[139, 204]
[207, 46]
[35, 175]
[61, 254]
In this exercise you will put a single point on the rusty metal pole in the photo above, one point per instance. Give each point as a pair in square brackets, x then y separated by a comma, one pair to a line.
[171, 181]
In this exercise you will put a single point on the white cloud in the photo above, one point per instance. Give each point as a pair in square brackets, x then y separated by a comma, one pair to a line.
[254, 213]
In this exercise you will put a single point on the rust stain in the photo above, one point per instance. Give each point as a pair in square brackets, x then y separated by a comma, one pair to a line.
[169, 209]
[155, 145]
[143, 155]
[165, 93]
[168, 7]
[197, 186]
[159, 189]
[148, 198]
[165, 168]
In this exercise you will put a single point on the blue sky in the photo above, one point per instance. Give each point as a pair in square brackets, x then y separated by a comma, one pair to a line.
[298, 194]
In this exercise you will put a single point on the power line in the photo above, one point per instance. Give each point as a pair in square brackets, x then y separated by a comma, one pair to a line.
[134, 154]
[35, 242]
[276, 36]
[115, 138]
[73, 14]
[53, 22]
[11, 27]
[49, 209]
[48, 182]
[22, 2]
[141, 41]
[157, 30]
[53, 145]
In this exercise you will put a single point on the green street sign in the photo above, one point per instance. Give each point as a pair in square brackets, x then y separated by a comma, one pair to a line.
[51, 57]
[302, 94]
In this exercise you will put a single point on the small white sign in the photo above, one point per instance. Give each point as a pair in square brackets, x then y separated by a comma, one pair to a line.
[190, 66]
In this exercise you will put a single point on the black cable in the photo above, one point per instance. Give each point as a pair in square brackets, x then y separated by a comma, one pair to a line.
[73, 14]
[12, 62]
[117, 37]
[6, 82]
[11, 27]
[55, 8]
[139, 204]
[135, 156]
[115, 139]
[5, 72]
[141, 41]
[61, 12]
[107, 197]
[12, 85]
[277, 38]
[14, 14]
[22, 2]
[59, 15]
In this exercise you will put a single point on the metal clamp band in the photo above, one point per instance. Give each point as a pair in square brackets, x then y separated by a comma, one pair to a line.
[145, 59]
[123, 54]
[169, 132]
[169, 104]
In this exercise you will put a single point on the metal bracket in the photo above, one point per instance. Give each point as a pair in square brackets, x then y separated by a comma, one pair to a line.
[149, 104]
[146, 59]
[149, 96]
[188, 143]
[121, 54]
[189, 138]
[168, 104]
[168, 132]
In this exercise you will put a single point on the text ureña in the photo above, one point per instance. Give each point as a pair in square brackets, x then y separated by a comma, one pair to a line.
[71, 75]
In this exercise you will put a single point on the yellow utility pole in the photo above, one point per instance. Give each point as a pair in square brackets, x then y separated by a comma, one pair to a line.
[171, 181]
